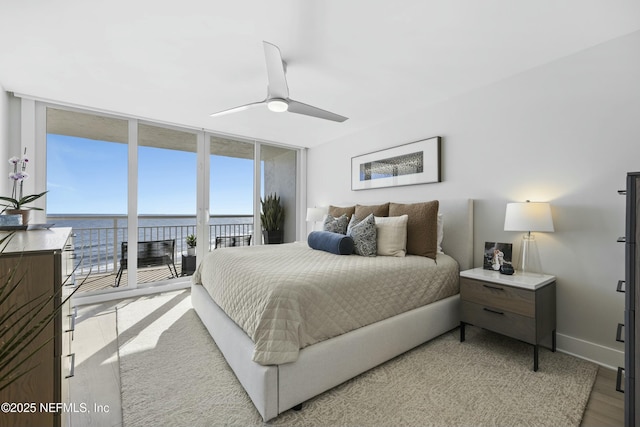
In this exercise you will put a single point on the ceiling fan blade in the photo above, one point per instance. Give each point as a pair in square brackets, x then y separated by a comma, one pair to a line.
[277, 87]
[308, 110]
[238, 109]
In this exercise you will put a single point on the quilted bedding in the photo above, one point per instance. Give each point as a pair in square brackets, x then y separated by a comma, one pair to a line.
[289, 296]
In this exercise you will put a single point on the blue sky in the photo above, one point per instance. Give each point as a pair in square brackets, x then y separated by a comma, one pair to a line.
[85, 176]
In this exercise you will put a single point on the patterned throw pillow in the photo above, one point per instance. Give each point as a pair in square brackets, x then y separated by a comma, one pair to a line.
[364, 235]
[336, 225]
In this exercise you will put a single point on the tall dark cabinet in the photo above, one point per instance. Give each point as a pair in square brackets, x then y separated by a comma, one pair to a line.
[632, 299]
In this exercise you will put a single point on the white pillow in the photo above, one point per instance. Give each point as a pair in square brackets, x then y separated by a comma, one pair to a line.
[392, 235]
[440, 232]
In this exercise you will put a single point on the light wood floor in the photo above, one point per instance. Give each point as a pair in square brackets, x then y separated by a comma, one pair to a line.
[97, 376]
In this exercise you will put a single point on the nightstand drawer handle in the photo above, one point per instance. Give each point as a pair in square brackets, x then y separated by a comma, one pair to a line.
[619, 380]
[620, 285]
[493, 311]
[619, 332]
[622, 239]
[494, 287]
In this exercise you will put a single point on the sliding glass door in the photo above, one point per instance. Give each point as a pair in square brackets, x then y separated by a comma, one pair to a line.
[166, 206]
[231, 192]
[87, 165]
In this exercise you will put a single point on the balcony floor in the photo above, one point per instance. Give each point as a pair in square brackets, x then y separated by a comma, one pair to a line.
[101, 281]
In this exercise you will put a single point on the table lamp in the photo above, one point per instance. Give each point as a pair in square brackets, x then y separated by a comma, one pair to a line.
[529, 216]
[315, 214]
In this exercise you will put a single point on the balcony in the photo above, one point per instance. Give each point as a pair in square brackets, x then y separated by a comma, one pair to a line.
[98, 238]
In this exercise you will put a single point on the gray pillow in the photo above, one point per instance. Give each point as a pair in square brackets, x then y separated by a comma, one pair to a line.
[364, 235]
[336, 225]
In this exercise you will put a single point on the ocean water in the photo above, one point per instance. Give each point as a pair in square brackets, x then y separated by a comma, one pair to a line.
[97, 242]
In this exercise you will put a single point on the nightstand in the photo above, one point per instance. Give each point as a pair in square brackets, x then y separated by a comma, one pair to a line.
[521, 306]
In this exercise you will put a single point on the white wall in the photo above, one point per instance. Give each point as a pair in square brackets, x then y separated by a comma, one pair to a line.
[566, 133]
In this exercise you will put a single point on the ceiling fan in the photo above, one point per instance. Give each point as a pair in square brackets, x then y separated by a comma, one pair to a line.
[278, 92]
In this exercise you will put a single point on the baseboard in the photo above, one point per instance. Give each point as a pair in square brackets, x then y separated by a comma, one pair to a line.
[603, 356]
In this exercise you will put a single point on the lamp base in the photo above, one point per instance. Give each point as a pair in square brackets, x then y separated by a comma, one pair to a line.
[528, 258]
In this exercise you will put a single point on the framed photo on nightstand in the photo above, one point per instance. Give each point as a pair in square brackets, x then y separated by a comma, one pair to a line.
[496, 255]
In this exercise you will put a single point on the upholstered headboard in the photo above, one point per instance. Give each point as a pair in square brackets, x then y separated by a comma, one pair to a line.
[457, 215]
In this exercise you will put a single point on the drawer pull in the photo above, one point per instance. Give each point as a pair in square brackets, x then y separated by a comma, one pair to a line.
[619, 380]
[72, 324]
[619, 333]
[620, 285]
[622, 239]
[622, 192]
[72, 366]
[493, 311]
[494, 287]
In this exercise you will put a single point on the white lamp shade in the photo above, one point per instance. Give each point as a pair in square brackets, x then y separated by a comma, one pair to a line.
[315, 214]
[529, 216]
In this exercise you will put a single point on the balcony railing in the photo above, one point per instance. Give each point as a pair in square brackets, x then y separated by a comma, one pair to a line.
[98, 238]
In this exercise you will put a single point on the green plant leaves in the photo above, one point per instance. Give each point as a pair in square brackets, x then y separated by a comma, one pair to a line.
[272, 216]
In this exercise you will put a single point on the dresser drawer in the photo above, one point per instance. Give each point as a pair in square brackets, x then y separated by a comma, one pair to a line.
[504, 298]
[501, 321]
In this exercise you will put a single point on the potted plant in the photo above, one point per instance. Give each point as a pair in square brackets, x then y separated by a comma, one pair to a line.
[272, 218]
[16, 203]
[191, 244]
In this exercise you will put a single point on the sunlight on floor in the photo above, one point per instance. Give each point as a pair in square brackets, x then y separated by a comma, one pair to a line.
[148, 325]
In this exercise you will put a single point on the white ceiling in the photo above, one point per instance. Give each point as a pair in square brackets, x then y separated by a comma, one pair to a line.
[369, 60]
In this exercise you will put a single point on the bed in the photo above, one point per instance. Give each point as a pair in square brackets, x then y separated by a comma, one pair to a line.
[278, 374]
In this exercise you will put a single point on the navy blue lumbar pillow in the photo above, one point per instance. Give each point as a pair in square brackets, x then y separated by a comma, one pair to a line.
[327, 241]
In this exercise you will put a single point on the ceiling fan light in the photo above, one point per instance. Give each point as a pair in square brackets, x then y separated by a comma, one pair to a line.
[278, 105]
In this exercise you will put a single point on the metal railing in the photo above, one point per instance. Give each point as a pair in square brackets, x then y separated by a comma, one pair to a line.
[98, 238]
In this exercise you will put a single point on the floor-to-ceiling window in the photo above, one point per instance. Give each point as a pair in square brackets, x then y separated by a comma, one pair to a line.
[278, 176]
[231, 192]
[166, 204]
[103, 169]
[87, 186]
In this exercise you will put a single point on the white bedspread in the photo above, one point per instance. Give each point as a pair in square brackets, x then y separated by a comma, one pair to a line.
[289, 296]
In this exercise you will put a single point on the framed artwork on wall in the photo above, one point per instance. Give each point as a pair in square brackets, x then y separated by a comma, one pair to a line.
[414, 163]
[497, 255]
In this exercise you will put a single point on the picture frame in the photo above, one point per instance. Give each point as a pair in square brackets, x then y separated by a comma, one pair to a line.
[408, 164]
[496, 255]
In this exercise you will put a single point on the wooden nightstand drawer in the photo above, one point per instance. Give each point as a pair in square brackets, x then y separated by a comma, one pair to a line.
[504, 298]
[495, 319]
[520, 306]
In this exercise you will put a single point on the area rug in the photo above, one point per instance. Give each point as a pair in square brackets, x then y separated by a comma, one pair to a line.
[172, 374]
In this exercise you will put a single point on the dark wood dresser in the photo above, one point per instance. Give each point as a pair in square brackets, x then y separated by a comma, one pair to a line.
[44, 260]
